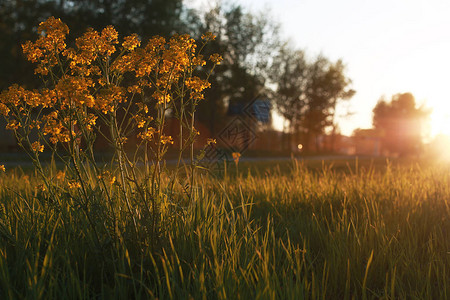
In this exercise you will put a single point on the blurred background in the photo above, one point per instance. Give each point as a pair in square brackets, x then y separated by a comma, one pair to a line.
[298, 77]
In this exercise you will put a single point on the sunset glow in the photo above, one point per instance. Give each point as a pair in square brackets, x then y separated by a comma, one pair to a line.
[439, 132]
[389, 47]
[440, 148]
[440, 119]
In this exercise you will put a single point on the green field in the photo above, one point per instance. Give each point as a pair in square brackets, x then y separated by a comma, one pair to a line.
[315, 230]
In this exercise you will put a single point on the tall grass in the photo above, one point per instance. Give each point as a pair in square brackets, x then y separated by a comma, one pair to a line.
[323, 234]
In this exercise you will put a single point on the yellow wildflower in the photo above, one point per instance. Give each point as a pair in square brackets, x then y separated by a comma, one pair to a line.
[41, 187]
[161, 97]
[134, 89]
[216, 58]
[37, 147]
[140, 121]
[121, 140]
[13, 125]
[198, 60]
[4, 110]
[131, 42]
[60, 175]
[236, 156]
[110, 34]
[166, 139]
[74, 184]
[209, 36]
[197, 84]
[148, 134]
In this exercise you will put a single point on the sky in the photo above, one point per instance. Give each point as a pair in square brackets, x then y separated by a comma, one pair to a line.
[388, 47]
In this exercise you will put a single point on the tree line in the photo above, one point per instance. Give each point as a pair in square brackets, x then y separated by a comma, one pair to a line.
[258, 62]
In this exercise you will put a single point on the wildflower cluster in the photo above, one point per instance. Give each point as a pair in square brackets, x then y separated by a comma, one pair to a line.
[86, 80]
[127, 88]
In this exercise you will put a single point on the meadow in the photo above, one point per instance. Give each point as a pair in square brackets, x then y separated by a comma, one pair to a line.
[293, 230]
[136, 227]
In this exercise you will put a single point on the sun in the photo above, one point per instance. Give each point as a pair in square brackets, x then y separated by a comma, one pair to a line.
[440, 130]
[440, 118]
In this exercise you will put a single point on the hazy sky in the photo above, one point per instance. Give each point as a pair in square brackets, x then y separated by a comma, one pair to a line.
[389, 47]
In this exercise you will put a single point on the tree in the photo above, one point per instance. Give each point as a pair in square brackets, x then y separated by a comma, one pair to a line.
[247, 43]
[307, 93]
[327, 85]
[401, 122]
[18, 20]
[290, 73]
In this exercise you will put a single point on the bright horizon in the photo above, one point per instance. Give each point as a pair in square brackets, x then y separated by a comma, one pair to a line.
[388, 47]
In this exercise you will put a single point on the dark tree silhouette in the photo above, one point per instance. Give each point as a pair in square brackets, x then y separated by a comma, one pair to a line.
[401, 123]
[19, 20]
[290, 73]
[327, 86]
[307, 93]
[247, 43]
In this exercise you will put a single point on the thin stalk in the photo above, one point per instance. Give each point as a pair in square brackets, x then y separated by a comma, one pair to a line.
[118, 151]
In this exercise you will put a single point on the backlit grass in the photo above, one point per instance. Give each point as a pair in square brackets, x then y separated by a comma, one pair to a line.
[364, 231]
